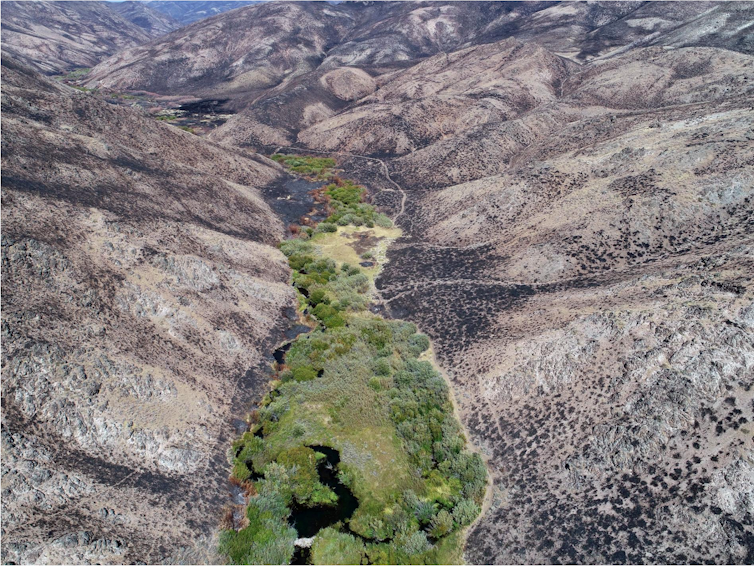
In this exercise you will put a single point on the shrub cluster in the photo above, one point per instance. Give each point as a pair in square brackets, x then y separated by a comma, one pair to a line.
[320, 168]
[346, 200]
[329, 291]
[267, 539]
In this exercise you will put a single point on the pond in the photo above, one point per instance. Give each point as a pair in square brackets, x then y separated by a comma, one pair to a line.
[309, 520]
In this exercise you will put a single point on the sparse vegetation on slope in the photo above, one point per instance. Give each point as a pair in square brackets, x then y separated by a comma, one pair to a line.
[357, 384]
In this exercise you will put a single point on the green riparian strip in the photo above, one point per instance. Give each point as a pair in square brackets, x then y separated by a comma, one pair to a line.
[361, 385]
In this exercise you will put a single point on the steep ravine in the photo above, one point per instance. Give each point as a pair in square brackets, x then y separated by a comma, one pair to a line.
[356, 453]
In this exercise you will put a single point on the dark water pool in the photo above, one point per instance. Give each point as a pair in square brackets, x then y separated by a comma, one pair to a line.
[309, 520]
[279, 354]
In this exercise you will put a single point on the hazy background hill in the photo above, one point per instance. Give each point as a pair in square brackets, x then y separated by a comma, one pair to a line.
[187, 12]
[146, 16]
[56, 37]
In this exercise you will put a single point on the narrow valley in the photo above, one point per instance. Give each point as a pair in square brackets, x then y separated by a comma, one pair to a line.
[377, 282]
[355, 455]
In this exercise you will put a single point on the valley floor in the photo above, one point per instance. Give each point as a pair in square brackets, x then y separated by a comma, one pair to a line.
[356, 451]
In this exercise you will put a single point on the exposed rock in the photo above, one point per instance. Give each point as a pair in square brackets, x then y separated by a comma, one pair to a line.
[304, 542]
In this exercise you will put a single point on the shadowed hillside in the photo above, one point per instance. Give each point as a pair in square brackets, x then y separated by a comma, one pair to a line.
[139, 287]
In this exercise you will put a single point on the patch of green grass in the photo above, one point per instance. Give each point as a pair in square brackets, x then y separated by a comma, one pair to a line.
[75, 74]
[320, 168]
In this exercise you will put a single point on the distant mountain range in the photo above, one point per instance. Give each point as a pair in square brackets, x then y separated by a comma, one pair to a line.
[187, 12]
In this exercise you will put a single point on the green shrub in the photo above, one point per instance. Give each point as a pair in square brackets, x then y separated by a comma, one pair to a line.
[328, 315]
[441, 524]
[296, 247]
[319, 296]
[382, 367]
[418, 344]
[298, 262]
[318, 167]
[414, 543]
[267, 539]
[383, 221]
[326, 227]
[425, 511]
[333, 547]
[347, 194]
[301, 463]
[304, 373]
[241, 471]
[465, 512]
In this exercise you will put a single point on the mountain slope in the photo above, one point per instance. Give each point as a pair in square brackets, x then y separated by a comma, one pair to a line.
[592, 302]
[575, 186]
[154, 22]
[443, 97]
[582, 257]
[247, 50]
[140, 286]
[56, 37]
[190, 11]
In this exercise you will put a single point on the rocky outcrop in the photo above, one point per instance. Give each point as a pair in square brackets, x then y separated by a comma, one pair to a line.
[141, 294]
